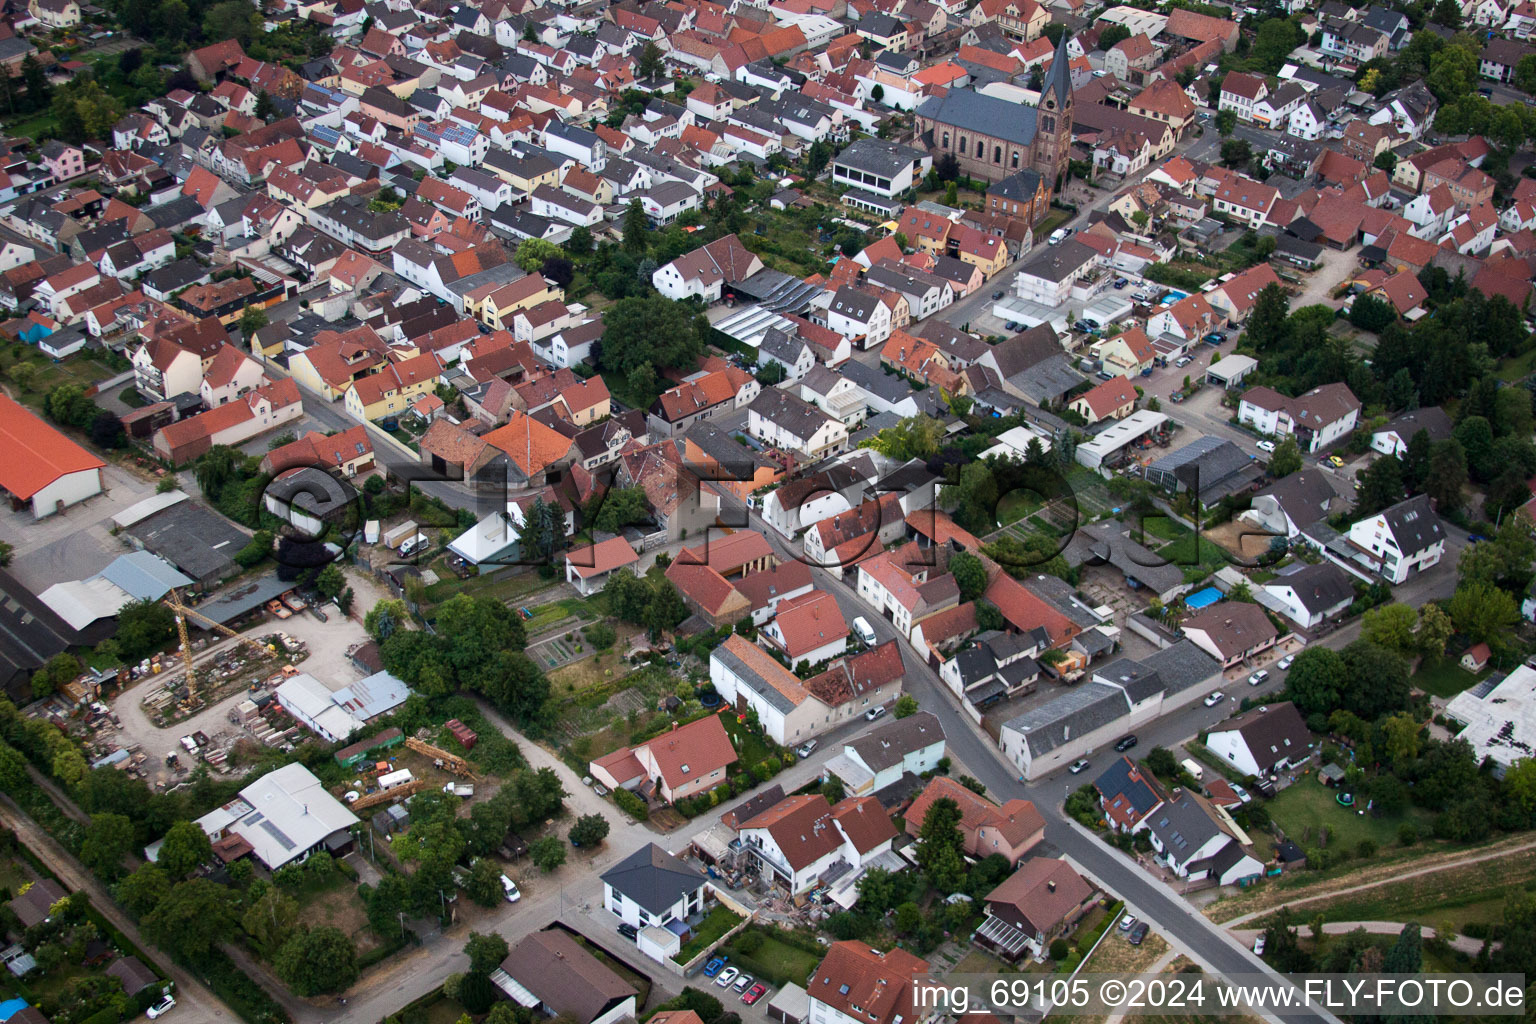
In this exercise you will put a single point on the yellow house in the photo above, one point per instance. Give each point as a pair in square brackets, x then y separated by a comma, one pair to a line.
[1128, 353]
[525, 175]
[988, 252]
[296, 190]
[391, 391]
[331, 367]
[501, 302]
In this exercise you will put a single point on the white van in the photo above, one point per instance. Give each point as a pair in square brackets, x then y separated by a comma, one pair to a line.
[1196, 772]
[414, 545]
[1058, 236]
[864, 631]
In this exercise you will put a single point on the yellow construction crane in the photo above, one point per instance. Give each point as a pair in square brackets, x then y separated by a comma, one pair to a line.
[180, 609]
[399, 792]
[452, 762]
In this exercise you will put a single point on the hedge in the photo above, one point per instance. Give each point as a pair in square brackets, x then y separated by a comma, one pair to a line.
[631, 804]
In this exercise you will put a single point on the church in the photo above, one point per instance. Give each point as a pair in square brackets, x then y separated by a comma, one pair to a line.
[993, 138]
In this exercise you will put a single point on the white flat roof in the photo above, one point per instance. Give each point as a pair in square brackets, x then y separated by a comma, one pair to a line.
[1108, 308]
[488, 537]
[1124, 432]
[292, 813]
[148, 507]
[1501, 719]
[1233, 365]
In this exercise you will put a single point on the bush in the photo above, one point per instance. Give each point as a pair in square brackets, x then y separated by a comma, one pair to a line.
[631, 804]
[1059, 949]
[1366, 849]
[749, 941]
[1407, 834]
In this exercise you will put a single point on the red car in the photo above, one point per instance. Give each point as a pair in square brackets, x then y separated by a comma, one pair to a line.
[754, 993]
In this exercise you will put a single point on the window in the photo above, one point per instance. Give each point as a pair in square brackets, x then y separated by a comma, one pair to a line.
[997, 154]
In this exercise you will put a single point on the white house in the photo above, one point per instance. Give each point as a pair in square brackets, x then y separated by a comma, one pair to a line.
[799, 840]
[1316, 420]
[859, 314]
[1262, 740]
[879, 758]
[651, 889]
[1192, 842]
[1402, 540]
[784, 421]
[1312, 594]
[42, 467]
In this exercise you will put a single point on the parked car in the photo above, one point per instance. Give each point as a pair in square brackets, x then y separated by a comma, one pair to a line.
[1265, 446]
[1121, 282]
[1183, 361]
[804, 749]
[1335, 462]
[1215, 338]
[1177, 396]
[755, 993]
[997, 295]
[1258, 677]
[1214, 699]
[713, 967]
[1138, 933]
[864, 631]
[629, 931]
[1105, 375]
[1286, 662]
[1241, 793]
[1126, 743]
[874, 713]
[743, 983]
[509, 890]
[1127, 922]
[1079, 766]
[726, 977]
[161, 1008]
[1058, 236]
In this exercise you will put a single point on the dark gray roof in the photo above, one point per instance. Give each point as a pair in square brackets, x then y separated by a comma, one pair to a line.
[1431, 419]
[1414, 525]
[1183, 826]
[971, 111]
[1122, 778]
[1059, 79]
[1059, 262]
[1018, 185]
[1318, 587]
[1272, 732]
[653, 878]
[885, 747]
[1181, 666]
[1213, 465]
[1303, 496]
[1137, 680]
[781, 346]
[878, 24]
[1073, 713]
[784, 410]
[854, 303]
[1059, 594]
[1107, 543]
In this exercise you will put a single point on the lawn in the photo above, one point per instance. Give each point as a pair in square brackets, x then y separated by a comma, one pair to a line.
[1192, 551]
[1443, 677]
[1157, 526]
[1017, 505]
[1053, 220]
[774, 960]
[579, 675]
[750, 747]
[720, 920]
[1308, 806]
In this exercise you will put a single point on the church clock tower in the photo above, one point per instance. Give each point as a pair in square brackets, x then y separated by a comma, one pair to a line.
[1053, 127]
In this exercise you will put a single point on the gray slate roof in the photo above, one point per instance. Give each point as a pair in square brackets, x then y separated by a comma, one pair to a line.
[971, 111]
[885, 747]
[1076, 711]
[653, 878]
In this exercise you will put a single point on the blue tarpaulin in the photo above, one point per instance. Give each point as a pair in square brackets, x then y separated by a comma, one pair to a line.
[1202, 598]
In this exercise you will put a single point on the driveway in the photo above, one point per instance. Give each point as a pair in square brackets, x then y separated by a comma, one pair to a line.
[1333, 269]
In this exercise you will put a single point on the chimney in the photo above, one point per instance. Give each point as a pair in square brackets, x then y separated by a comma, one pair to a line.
[1051, 885]
[674, 726]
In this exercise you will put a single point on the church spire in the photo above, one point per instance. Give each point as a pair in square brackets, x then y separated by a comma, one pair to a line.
[1059, 79]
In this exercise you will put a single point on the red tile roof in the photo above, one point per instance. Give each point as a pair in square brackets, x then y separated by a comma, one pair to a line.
[35, 453]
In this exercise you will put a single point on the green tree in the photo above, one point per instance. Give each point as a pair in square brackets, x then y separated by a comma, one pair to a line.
[970, 575]
[1381, 486]
[60, 669]
[612, 509]
[1316, 680]
[484, 885]
[1370, 313]
[270, 921]
[941, 845]
[254, 318]
[533, 252]
[637, 228]
[916, 437]
[649, 63]
[386, 617]
[547, 853]
[184, 849]
[1483, 613]
[1400, 732]
[192, 918]
[906, 706]
[1268, 320]
[232, 19]
[1391, 626]
[1446, 476]
[1226, 121]
[321, 959]
[1375, 680]
[589, 830]
[331, 581]
[650, 331]
[485, 952]
[264, 108]
[1435, 628]
[143, 890]
[1286, 458]
[1274, 41]
[108, 839]
[1386, 160]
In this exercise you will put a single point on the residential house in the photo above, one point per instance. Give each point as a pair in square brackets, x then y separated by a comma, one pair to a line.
[1011, 831]
[684, 761]
[1316, 419]
[1401, 540]
[1262, 740]
[1231, 631]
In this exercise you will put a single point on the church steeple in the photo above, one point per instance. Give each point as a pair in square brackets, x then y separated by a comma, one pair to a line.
[1056, 92]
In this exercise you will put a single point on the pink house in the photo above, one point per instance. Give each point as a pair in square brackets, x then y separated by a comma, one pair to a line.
[63, 160]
